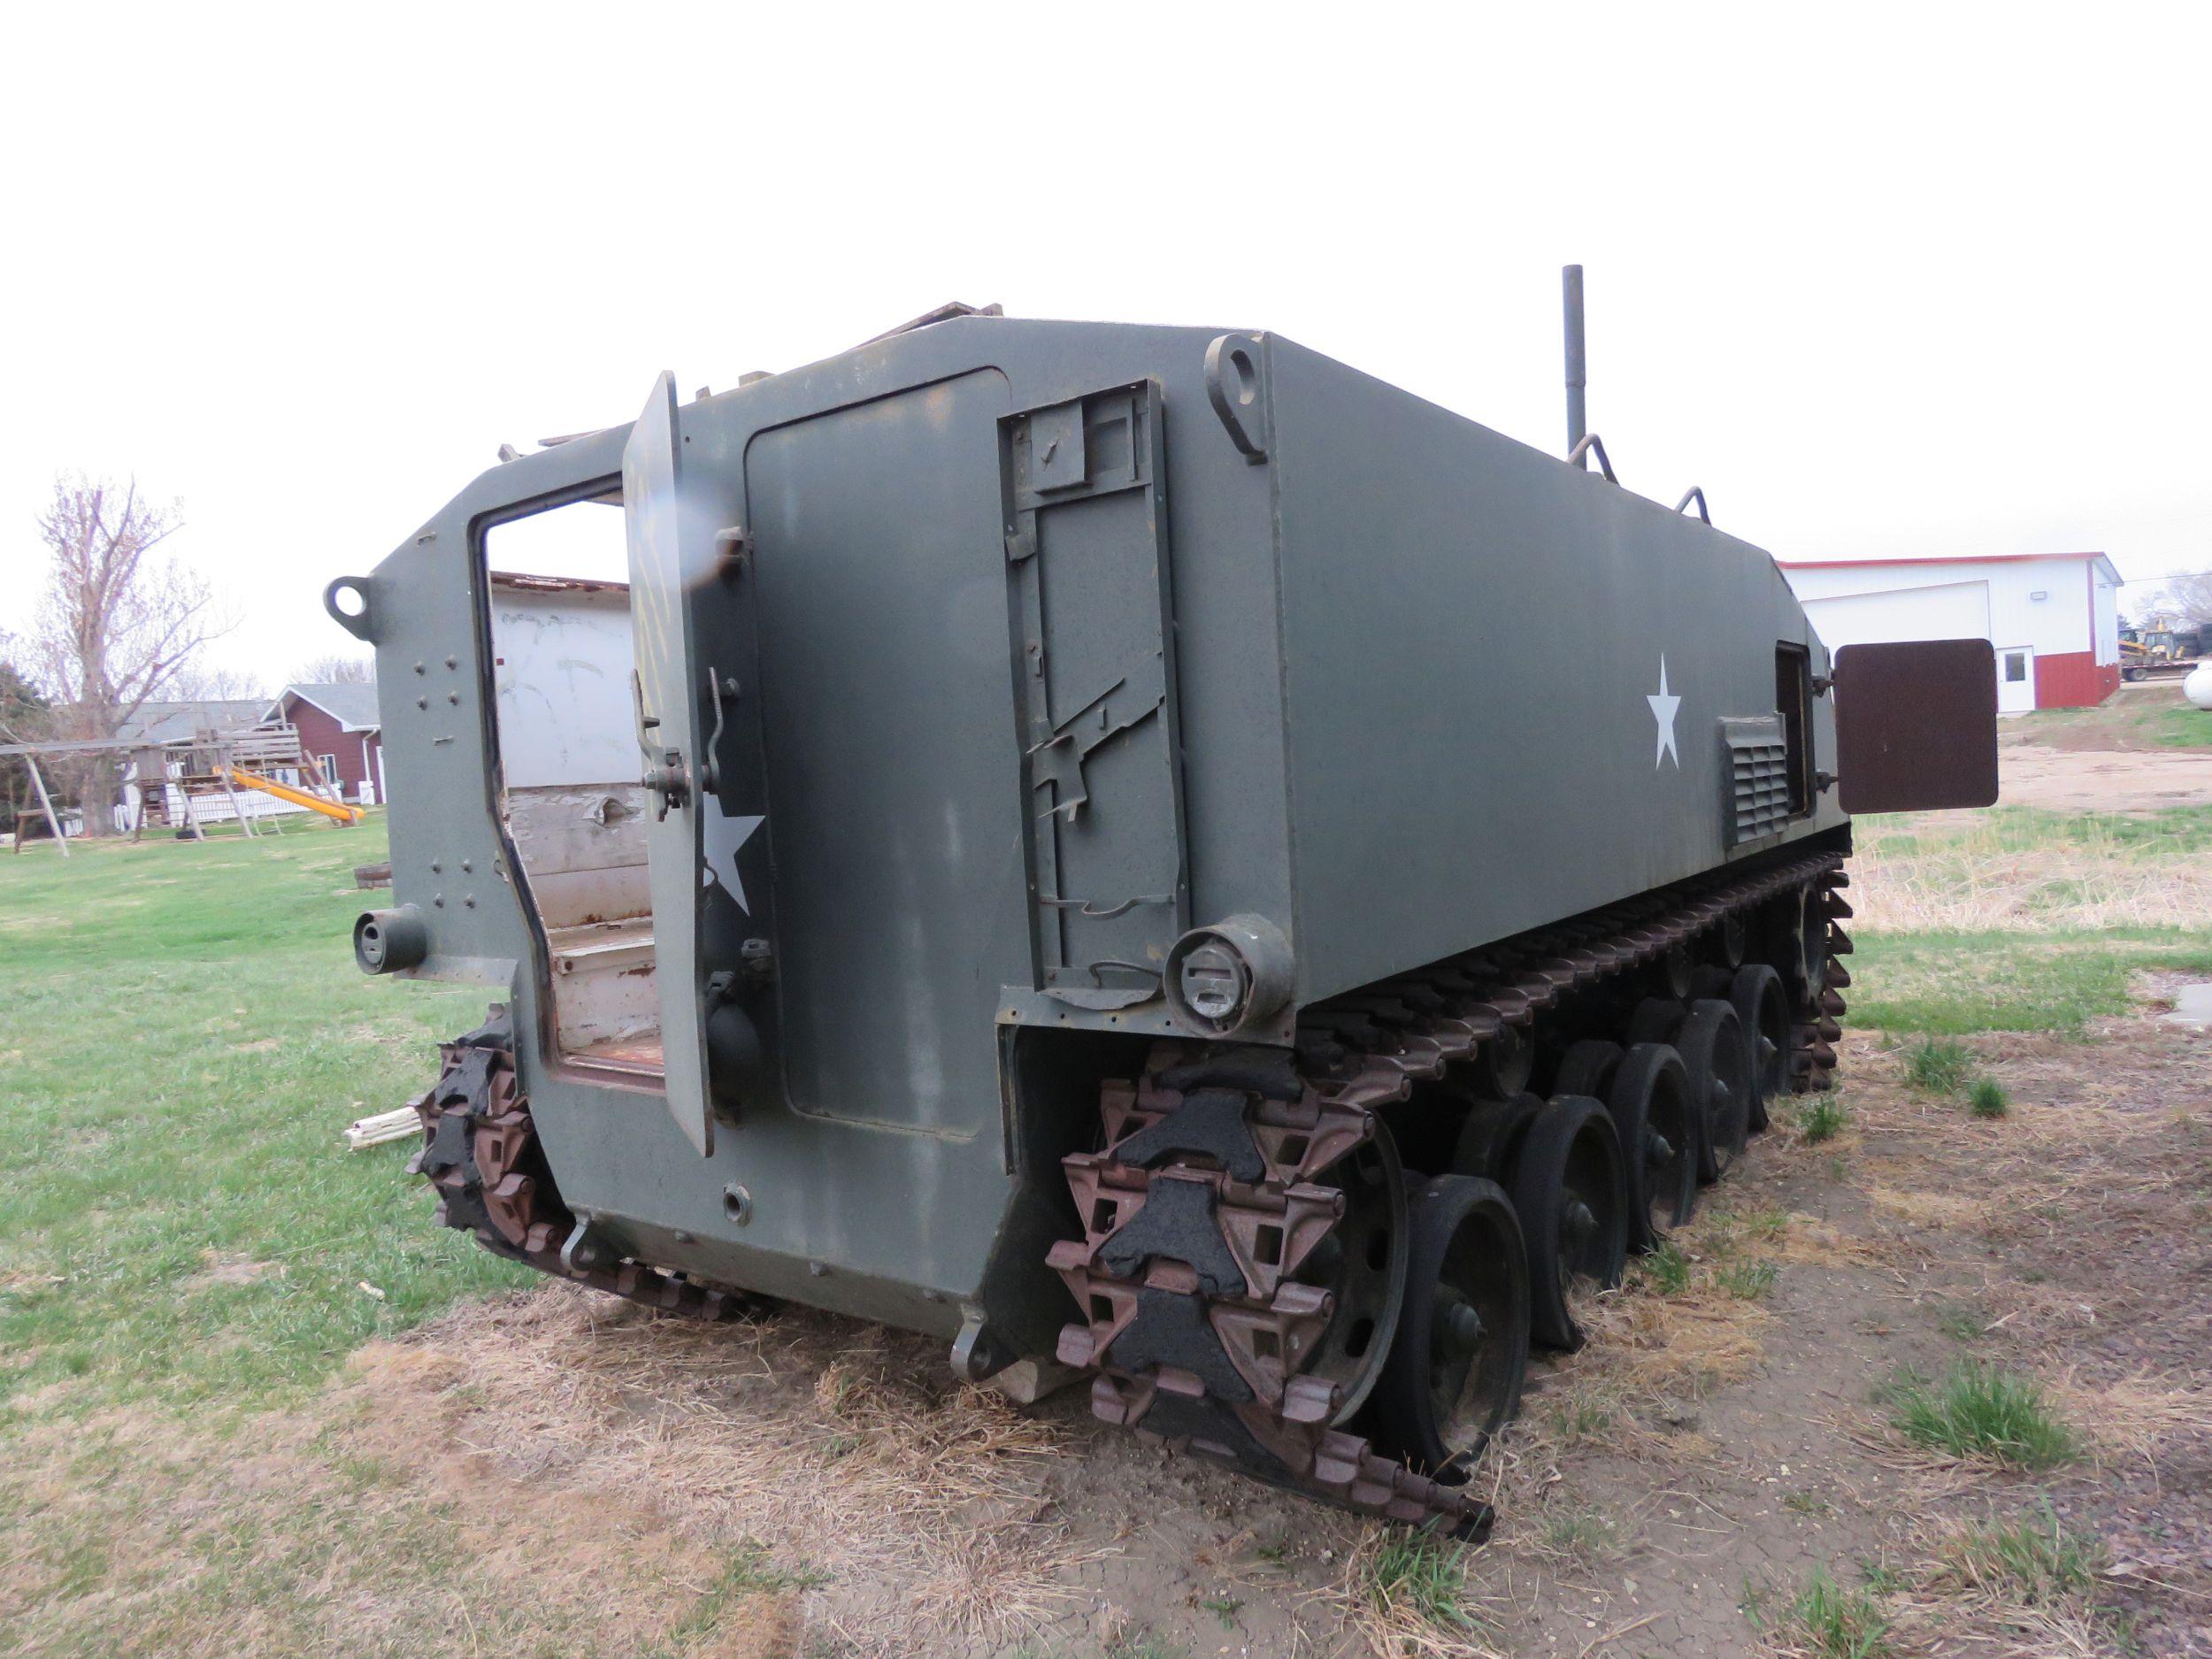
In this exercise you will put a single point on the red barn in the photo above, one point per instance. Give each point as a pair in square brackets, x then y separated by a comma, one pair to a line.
[340, 730]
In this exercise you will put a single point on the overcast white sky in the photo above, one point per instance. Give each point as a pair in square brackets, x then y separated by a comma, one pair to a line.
[1920, 279]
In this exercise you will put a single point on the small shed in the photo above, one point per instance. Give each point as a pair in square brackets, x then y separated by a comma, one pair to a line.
[2053, 619]
[342, 731]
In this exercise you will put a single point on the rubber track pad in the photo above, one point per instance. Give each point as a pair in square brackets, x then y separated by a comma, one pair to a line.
[1173, 1330]
[1209, 1123]
[1177, 1222]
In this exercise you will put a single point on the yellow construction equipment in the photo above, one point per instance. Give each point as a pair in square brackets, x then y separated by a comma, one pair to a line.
[338, 810]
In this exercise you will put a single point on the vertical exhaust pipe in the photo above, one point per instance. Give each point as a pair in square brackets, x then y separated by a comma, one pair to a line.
[1578, 362]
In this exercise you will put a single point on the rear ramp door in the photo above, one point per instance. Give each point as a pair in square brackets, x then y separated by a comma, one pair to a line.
[670, 552]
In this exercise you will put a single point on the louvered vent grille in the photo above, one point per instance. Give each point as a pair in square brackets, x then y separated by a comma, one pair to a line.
[1759, 777]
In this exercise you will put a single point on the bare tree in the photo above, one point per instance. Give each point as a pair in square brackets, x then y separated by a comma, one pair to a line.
[335, 671]
[2190, 599]
[119, 622]
[195, 682]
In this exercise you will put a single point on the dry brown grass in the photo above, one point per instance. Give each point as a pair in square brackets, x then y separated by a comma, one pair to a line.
[323, 1532]
[2135, 1417]
[1984, 871]
[1961, 1211]
[918, 1501]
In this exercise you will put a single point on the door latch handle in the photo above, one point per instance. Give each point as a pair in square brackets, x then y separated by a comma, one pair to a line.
[719, 692]
[666, 776]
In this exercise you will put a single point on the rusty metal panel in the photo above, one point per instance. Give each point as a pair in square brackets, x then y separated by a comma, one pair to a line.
[1917, 725]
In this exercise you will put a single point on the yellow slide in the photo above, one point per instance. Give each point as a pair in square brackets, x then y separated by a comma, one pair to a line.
[297, 797]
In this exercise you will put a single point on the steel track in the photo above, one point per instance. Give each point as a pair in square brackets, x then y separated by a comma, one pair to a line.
[1207, 1196]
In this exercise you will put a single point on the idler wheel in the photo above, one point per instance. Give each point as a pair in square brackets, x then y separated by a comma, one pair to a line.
[1461, 1351]
[1492, 1135]
[1649, 1102]
[1761, 1002]
[1573, 1210]
[1711, 1044]
[1362, 1264]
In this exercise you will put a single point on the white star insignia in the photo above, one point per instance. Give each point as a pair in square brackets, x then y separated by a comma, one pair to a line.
[730, 882]
[1662, 708]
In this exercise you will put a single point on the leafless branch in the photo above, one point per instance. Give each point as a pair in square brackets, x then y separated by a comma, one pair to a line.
[118, 623]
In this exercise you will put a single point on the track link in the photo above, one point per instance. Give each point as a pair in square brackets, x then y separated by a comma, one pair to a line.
[1206, 1197]
[481, 1155]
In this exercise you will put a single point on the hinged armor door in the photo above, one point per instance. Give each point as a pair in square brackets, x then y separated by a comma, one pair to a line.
[670, 552]
[1085, 485]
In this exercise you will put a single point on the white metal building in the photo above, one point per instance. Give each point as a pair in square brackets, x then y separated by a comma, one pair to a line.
[2053, 617]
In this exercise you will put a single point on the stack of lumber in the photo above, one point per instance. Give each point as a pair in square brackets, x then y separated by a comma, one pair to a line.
[391, 1125]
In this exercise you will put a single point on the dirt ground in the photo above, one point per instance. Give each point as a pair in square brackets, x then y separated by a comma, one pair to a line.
[2101, 781]
[2109, 758]
[1710, 1450]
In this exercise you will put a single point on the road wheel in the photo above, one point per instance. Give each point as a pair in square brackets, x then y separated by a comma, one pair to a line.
[1654, 1020]
[1461, 1351]
[1710, 980]
[1711, 1044]
[1652, 1114]
[1763, 1006]
[1491, 1134]
[1587, 1068]
[1573, 1210]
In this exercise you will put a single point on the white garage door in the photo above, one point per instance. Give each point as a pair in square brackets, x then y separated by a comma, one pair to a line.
[1954, 611]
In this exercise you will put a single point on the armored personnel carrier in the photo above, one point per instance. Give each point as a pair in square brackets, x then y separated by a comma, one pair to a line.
[1076, 839]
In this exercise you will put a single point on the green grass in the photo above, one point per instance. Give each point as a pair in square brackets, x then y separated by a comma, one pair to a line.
[1961, 1322]
[1881, 1578]
[1987, 1098]
[1955, 984]
[1583, 1533]
[2018, 918]
[1823, 1119]
[1747, 1282]
[2034, 1560]
[1424, 1575]
[1938, 1066]
[1580, 1422]
[748, 1572]
[1978, 1410]
[2185, 727]
[1224, 1608]
[2164, 832]
[1769, 1221]
[1822, 1618]
[2158, 714]
[1667, 1269]
[184, 1037]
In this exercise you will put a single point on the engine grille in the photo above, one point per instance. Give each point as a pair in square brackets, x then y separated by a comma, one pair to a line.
[1759, 777]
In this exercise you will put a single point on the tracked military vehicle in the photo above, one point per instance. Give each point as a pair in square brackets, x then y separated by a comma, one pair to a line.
[1075, 839]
